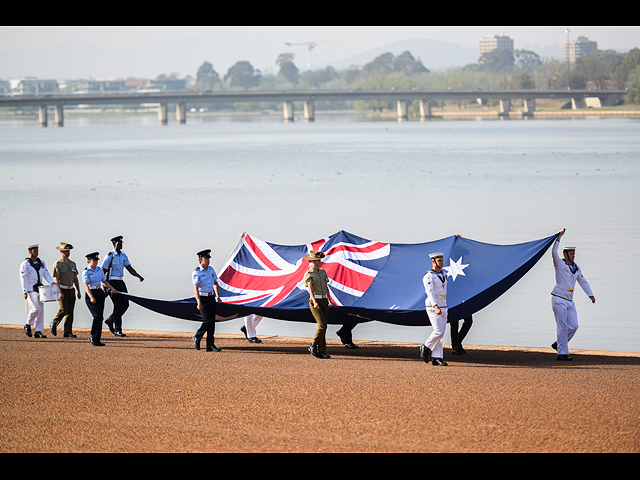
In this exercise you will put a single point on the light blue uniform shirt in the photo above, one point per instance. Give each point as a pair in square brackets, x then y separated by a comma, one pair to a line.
[204, 279]
[93, 277]
[116, 262]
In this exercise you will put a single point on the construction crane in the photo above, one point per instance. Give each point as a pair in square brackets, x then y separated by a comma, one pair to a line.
[311, 45]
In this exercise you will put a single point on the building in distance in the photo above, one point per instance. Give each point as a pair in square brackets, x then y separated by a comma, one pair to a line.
[581, 47]
[489, 43]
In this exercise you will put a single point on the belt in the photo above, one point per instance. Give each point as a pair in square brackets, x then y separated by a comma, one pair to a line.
[319, 296]
[203, 294]
[115, 278]
[64, 287]
[567, 299]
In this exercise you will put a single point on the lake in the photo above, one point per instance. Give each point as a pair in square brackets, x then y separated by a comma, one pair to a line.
[174, 190]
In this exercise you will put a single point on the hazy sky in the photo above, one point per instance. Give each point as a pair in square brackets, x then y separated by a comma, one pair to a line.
[103, 52]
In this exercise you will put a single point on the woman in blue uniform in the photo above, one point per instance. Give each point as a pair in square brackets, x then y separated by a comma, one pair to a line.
[207, 293]
[94, 278]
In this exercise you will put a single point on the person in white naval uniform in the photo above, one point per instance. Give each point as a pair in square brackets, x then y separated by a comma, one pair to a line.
[564, 309]
[32, 271]
[249, 327]
[435, 286]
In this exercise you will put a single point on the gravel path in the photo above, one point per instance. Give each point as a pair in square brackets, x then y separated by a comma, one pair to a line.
[153, 392]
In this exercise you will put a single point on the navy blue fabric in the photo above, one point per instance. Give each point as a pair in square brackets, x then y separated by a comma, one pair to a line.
[396, 295]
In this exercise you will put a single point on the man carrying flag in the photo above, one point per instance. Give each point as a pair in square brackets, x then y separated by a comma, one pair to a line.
[564, 310]
[435, 285]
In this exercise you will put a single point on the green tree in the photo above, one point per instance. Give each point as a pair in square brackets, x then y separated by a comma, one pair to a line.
[633, 85]
[287, 68]
[243, 75]
[527, 59]
[206, 77]
[497, 60]
[598, 67]
[630, 62]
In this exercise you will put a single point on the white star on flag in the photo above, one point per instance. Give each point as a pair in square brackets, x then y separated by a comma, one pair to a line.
[455, 268]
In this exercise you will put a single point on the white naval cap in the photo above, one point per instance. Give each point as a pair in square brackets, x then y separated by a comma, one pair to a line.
[436, 255]
[568, 249]
[33, 245]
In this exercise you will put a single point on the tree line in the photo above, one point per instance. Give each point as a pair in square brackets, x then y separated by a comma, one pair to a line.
[499, 69]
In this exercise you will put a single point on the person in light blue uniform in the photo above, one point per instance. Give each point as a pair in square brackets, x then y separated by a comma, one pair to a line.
[94, 278]
[114, 265]
[207, 293]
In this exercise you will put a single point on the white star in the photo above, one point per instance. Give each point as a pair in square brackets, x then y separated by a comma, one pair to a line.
[455, 268]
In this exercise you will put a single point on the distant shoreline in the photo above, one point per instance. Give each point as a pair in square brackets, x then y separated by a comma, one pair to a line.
[437, 113]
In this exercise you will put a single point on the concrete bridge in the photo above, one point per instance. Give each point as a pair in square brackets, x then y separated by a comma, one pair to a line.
[403, 98]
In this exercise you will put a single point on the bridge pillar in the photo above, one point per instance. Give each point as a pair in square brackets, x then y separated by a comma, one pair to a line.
[43, 116]
[425, 109]
[309, 111]
[162, 113]
[59, 116]
[505, 107]
[181, 113]
[529, 107]
[288, 111]
[402, 110]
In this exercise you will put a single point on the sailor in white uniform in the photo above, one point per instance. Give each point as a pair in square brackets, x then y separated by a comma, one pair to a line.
[32, 271]
[249, 327]
[435, 286]
[564, 309]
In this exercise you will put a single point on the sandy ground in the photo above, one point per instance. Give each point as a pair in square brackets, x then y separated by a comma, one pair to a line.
[153, 392]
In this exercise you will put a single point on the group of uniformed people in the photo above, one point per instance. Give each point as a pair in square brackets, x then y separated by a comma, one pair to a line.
[567, 274]
[207, 294]
[110, 275]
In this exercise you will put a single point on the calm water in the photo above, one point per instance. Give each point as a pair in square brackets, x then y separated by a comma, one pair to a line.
[174, 190]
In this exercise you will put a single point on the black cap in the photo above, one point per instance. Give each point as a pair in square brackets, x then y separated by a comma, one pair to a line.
[92, 256]
[117, 239]
[204, 253]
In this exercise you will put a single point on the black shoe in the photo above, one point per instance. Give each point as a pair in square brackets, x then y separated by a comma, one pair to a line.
[438, 362]
[110, 325]
[95, 343]
[425, 353]
[196, 342]
[213, 348]
[255, 340]
[564, 358]
[243, 329]
[54, 329]
[314, 351]
[324, 355]
[70, 335]
[119, 334]
[554, 345]
[27, 330]
[39, 335]
[350, 345]
[457, 351]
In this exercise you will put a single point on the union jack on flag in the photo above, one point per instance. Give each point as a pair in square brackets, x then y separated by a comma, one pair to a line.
[262, 274]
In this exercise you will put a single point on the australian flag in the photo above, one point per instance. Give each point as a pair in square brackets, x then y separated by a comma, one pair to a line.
[369, 280]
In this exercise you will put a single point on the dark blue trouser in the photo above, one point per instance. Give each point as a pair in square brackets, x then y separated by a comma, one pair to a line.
[120, 304]
[96, 310]
[208, 313]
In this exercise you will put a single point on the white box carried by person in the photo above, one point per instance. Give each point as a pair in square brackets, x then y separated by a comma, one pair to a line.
[48, 293]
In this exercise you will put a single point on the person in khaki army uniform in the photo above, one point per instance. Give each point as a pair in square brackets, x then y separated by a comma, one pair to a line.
[316, 280]
[65, 272]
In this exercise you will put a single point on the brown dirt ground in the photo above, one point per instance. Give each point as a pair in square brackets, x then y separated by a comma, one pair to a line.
[153, 392]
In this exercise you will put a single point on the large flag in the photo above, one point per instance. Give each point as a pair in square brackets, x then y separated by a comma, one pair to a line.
[369, 280]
